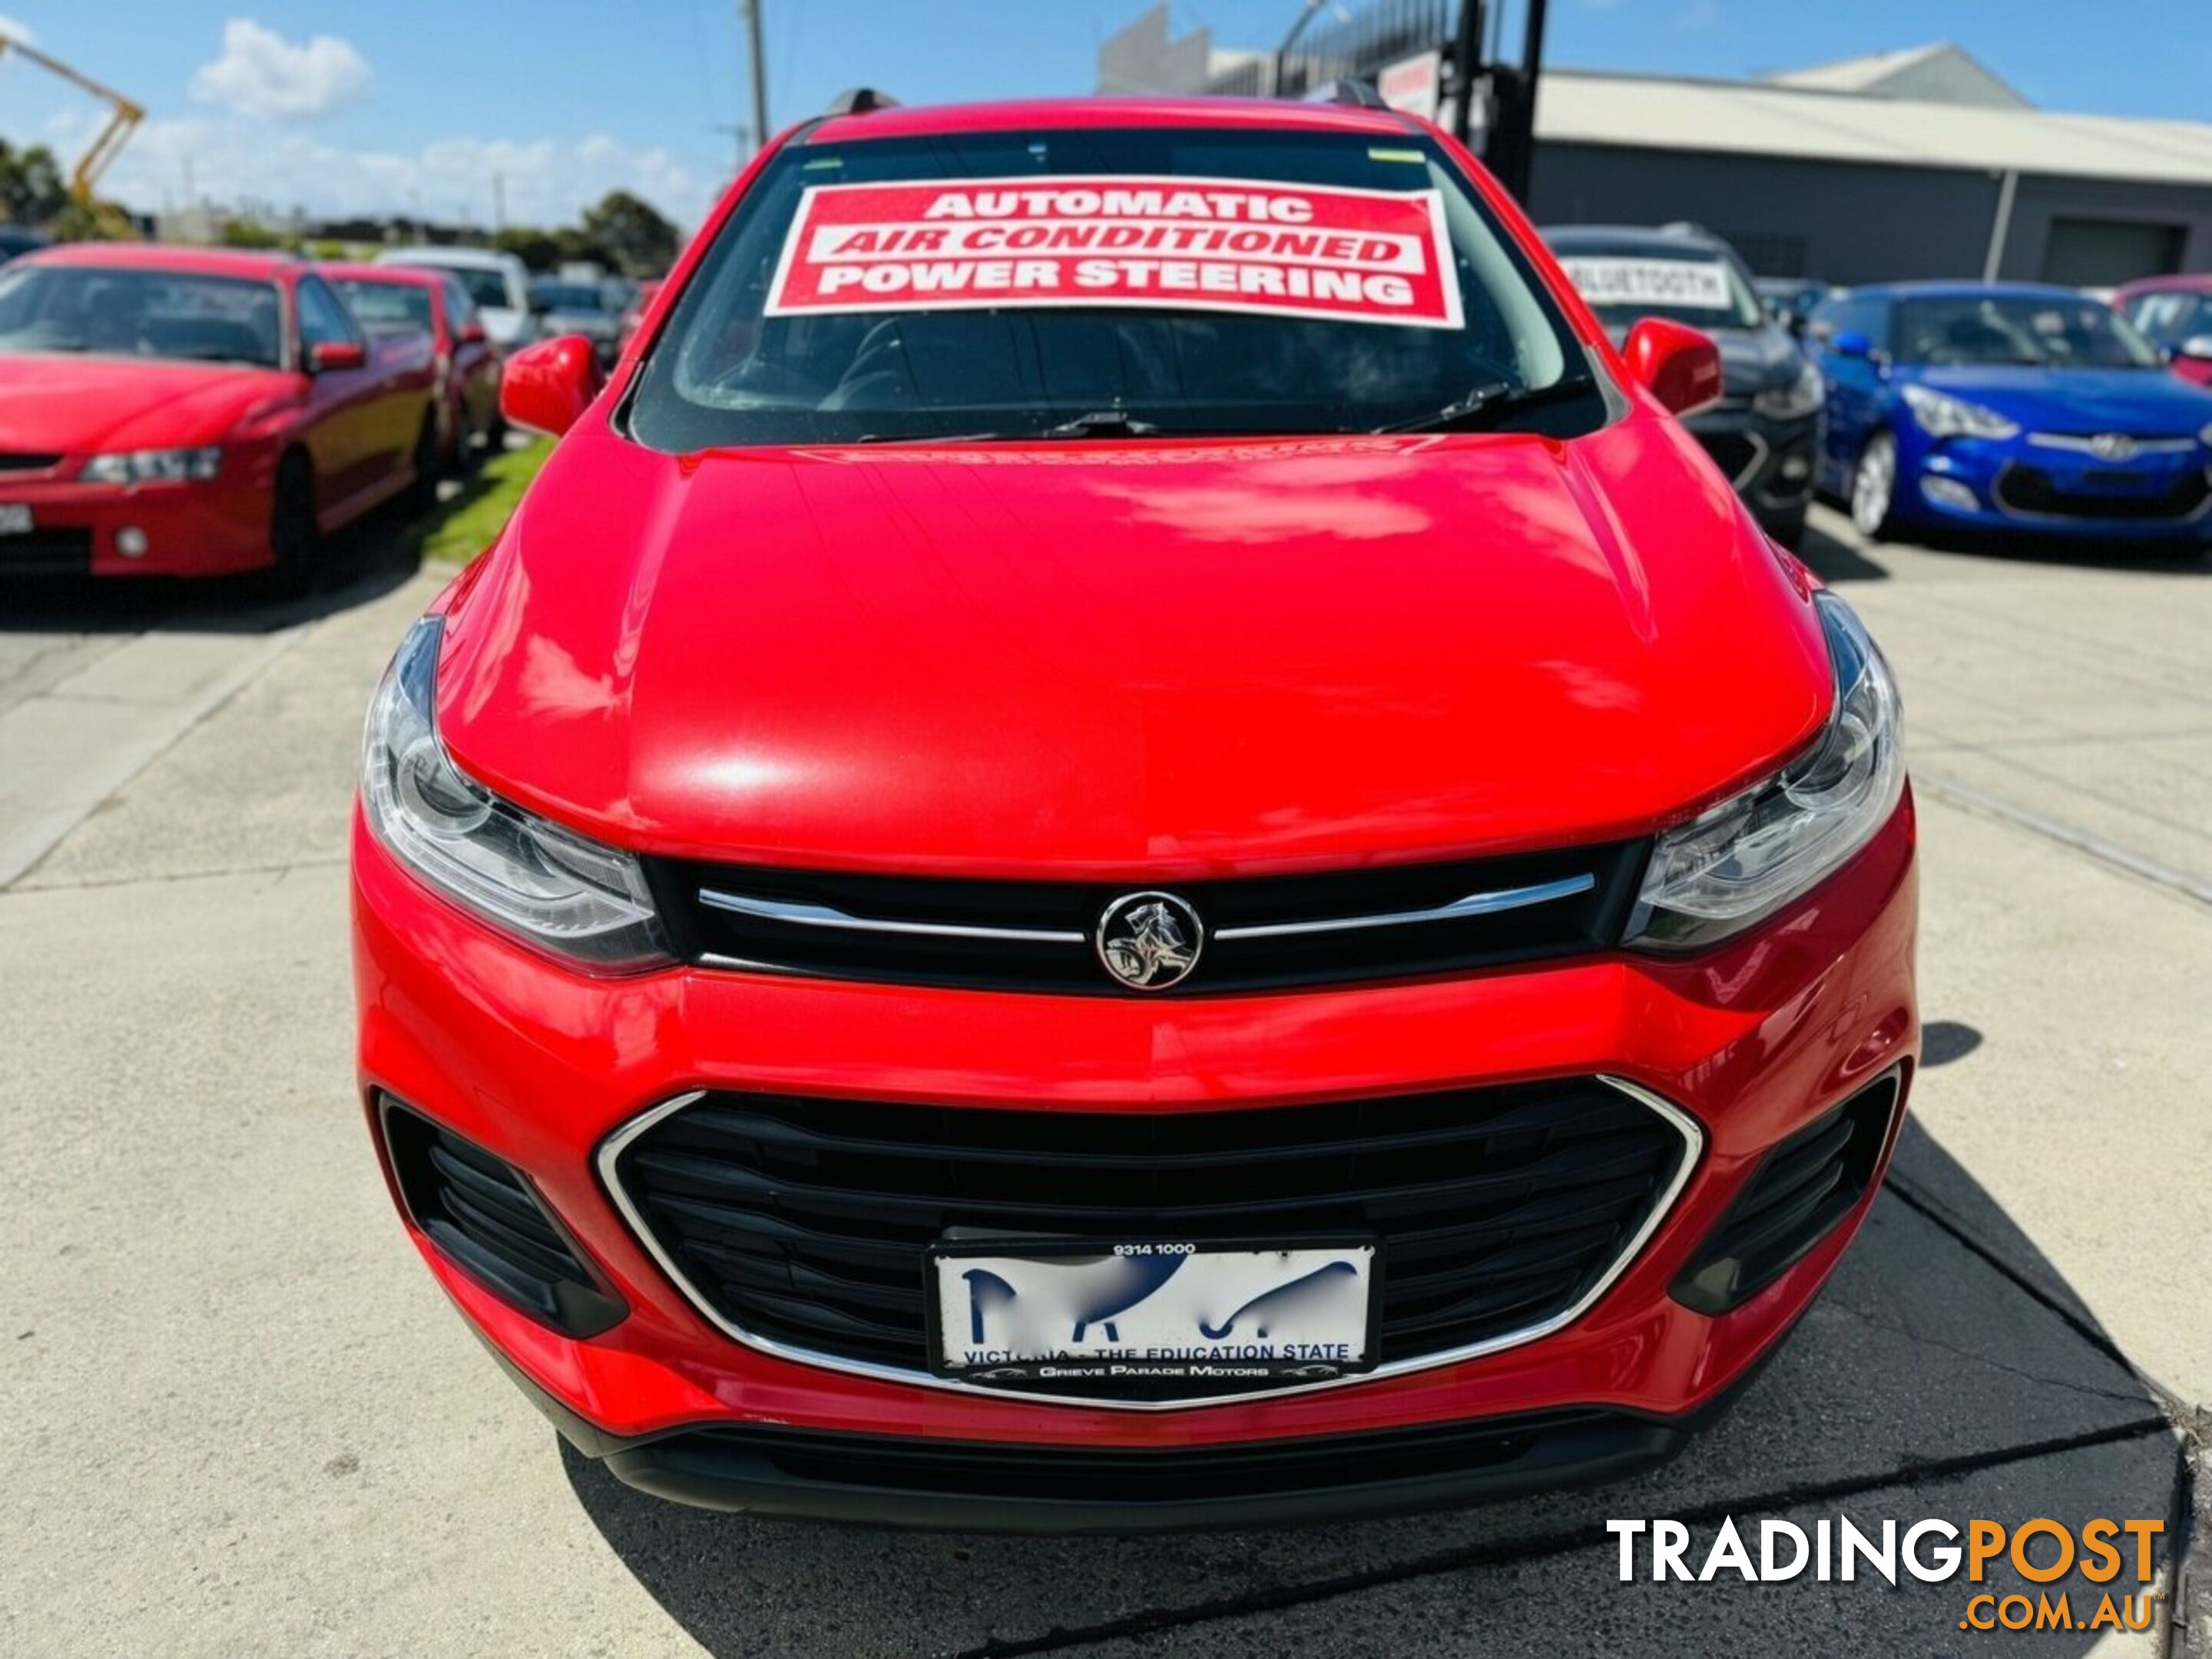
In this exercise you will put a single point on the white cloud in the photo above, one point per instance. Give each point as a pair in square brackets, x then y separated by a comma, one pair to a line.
[236, 161]
[260, 73]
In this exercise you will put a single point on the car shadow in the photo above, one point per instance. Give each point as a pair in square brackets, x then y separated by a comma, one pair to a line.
[1835, 562]
[361, 564]
[1947, 1371]
[2148, 559]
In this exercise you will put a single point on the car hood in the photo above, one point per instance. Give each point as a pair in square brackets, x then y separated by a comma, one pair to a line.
[581, 322]
[86, 404]
[2146, 403]
[502, 323]
[1109, 660]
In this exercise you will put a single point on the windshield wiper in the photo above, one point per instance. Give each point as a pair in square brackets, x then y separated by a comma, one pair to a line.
[1488, 401]
[1102, 423]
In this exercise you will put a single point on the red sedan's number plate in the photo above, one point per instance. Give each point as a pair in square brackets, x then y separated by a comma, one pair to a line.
[1011, 1312]
[17, 520]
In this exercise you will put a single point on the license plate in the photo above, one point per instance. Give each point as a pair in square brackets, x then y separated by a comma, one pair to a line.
[16, 521]
[1006, 1312]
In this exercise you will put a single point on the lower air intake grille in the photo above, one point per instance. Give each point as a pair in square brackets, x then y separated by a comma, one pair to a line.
[807, 1222]
[1800, 1190]
[46, 553]
[2030, 489]
[485, 1216]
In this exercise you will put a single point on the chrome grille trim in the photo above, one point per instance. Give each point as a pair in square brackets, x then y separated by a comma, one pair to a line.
[1475, 904]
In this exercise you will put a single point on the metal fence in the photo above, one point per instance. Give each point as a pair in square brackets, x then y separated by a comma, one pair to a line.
[1373, 38]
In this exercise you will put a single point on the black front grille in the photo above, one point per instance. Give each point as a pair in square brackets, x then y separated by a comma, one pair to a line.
[1800, 1190]
[1591, 919]
[19, 462]
[1734, 452]
[808, 1222]
[2030, 490]
[46, 553]
[485, 1216]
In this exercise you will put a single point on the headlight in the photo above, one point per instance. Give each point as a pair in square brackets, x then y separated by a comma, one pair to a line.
[1753, 853]
[154, 466]
[1800, 397]
[552, 887]
[2204, 434]
[1941, 416]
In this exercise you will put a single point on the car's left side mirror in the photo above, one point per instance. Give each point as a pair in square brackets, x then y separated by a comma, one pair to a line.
[472, 332]
[1681, 365]
[547, 385]
[325, 355]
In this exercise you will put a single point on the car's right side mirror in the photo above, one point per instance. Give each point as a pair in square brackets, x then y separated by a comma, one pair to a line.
[547, 385]
[1850, 343]
[1681, 365]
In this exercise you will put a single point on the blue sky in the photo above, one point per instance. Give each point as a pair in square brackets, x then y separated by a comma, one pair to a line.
[385, 104]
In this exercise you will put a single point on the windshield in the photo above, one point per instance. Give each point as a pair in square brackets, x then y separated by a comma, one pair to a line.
[1625, 280]
[1002, 284]
[2042, 330]
[2172, 315]
[386, 305]
[485, 287]
[569, 296]
[141, 313]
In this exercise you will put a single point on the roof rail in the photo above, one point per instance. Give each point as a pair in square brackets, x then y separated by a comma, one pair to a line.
[859, 101]
[1360, 94]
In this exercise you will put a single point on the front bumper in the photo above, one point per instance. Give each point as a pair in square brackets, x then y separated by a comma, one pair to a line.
[1768, 461]
[2021, 487]
[204, 529]
[539, 1066]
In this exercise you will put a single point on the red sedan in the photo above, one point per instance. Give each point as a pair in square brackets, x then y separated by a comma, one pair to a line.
[2175, 313]
[188, 412]
[1128, 838]
[404, 299]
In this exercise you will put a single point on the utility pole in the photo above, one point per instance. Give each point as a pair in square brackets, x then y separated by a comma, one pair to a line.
[1510, 147]
[498, 202]
[751, 10]
[1283, 51]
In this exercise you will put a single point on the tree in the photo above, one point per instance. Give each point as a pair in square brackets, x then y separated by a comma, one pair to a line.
[32, 189]
[244, 232]
[100, 222]
[537, 249]
[643, 242]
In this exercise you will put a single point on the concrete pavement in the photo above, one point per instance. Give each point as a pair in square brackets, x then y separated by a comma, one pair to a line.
[240, 1418]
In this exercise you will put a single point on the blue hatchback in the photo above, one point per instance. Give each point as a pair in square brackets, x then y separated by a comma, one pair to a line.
[2008, 407]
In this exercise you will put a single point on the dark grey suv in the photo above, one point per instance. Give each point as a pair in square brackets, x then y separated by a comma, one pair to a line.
[1764, 432]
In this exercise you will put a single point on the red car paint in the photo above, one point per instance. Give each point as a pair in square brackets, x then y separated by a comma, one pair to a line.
[467, 363]
[358, 425]
[1145, 661]
[2195, 369]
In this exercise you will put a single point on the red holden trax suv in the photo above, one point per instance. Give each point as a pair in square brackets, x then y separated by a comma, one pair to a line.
[1127, 838]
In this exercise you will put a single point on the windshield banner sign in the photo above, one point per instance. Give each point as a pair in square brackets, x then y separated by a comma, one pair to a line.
[1699, 284]
[1180, 244]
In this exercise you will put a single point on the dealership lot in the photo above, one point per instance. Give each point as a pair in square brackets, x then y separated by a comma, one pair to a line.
[293, 1448]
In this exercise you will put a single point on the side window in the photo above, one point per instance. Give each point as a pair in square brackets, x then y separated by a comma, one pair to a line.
[1845, 316]
[2165, 317]
[460, 310]
[324, 319]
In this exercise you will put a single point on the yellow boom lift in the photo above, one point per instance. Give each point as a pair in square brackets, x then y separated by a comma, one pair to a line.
[122, 120]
